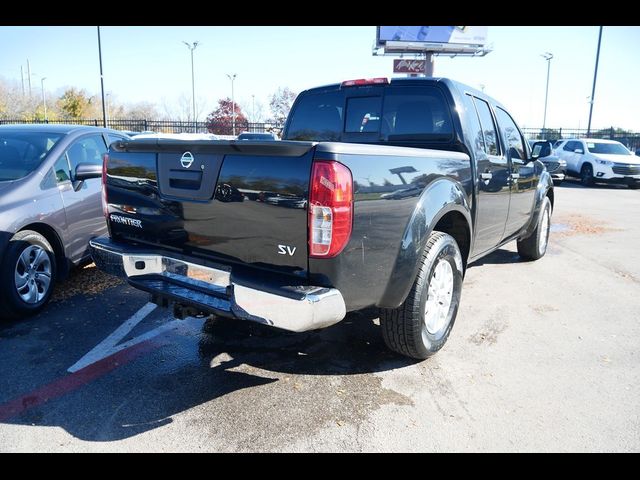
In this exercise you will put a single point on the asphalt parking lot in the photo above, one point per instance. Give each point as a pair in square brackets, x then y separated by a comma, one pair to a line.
[543, 357]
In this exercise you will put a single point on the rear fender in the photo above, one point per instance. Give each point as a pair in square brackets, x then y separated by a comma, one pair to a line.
[438, 199]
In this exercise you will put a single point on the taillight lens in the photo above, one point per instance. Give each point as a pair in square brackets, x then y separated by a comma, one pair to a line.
[330, 208]
[105, 207]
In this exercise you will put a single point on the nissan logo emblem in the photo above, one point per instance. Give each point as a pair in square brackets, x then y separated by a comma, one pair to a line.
[187, 159]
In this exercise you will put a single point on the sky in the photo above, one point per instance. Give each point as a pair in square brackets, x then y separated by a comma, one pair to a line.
[152, 64]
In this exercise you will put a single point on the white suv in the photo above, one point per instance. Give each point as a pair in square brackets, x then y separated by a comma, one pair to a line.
[595, 160]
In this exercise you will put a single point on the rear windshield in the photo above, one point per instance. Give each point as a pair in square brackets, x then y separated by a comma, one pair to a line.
[22, 152]
[608, 148]
[392, 114]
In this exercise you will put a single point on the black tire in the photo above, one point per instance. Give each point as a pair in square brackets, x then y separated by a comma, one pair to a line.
[535, 245]
[404, 329]
[634, 186]
[12, 305]
[586, 175]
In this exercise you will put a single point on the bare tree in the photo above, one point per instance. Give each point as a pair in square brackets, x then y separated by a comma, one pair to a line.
[280, 104]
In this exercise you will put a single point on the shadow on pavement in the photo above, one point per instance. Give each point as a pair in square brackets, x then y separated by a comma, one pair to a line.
[206, 361]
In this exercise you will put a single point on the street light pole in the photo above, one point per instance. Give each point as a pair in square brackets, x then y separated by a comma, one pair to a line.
[108, 113]
[253, 109]
[547, 56]
[192, 47]
[595, 76]
[233, 103]
[104, 111]
[44, 99]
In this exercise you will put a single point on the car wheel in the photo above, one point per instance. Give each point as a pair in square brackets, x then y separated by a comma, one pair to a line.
[535, 245]
[586, 175]
[27, 274]
[421, 325]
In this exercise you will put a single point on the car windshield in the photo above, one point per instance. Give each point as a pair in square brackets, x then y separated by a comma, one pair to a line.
[22, 152]
[608, 148]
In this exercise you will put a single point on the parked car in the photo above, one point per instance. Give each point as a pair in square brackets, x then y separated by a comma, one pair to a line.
[556, 167]
[50, 207]
[257, 136]
[465, 184]
[600, 161]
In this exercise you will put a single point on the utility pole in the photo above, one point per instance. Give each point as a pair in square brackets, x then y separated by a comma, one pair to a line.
[22, 78]
[192, 47]
[44, 99]
[253, 108]
[233, 103]
[29, 76]
[547, 56]
[595, 76]
[104, 110]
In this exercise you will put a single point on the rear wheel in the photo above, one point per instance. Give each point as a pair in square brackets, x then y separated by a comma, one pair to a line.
[27, 274]
[421, 325]
[586, 175]
[535, 245]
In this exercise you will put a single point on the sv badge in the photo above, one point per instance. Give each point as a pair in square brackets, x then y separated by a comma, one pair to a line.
[286, 250]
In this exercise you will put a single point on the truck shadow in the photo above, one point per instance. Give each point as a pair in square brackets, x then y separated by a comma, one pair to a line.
[191, 369]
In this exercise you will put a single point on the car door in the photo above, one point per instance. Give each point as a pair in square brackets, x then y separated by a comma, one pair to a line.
[523, 177]
[82, 200]
[493, 179]
[567, 153]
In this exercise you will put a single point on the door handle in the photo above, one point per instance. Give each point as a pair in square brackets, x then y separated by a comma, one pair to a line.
[486, 176]
[515, 176]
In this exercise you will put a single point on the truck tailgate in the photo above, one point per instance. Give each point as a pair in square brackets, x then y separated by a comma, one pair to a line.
[238, 202]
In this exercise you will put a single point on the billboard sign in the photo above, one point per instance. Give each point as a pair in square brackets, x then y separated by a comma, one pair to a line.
[408, 66]
[456, 39]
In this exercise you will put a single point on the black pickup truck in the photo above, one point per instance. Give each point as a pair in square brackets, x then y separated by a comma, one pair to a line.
[380, 194]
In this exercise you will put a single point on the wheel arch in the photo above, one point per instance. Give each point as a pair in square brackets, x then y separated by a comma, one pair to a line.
[52, 236]
[443, 206]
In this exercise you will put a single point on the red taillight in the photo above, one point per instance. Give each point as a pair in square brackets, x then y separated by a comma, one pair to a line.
[105, 207]
[330, 208]
[365, 81]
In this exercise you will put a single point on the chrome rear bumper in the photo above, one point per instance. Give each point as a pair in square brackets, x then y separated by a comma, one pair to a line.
[217, 290]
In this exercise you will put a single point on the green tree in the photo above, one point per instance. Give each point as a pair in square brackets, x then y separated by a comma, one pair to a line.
[75, 103]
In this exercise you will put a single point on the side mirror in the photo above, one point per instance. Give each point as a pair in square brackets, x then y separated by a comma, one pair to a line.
[578, 150]
[540, 150]
[85, 171]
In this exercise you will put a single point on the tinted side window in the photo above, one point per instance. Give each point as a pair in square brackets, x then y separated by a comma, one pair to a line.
[515, 145]
[477, 139]
[317, 117]
[363, 114]
[488, 127]
[88, 149]
[569, 146]
[415, 113]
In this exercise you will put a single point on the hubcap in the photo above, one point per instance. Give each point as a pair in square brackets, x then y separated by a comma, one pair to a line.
[544, 231]
[439, 297]
[33, 274]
